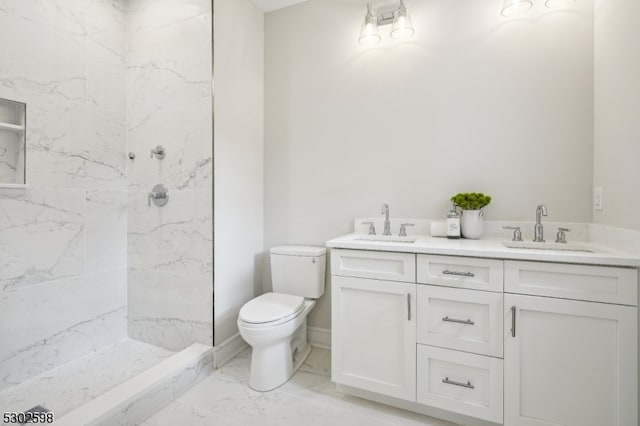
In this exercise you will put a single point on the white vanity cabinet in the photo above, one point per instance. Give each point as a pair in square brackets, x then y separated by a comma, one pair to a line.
[487, 341]
[374, 327]
[570, 362]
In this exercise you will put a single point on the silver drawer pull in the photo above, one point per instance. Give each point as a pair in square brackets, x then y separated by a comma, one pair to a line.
[468, 322]
[467, 385]
[459, 274]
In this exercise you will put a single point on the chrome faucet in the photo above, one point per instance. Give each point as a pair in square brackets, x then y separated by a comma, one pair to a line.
[387, 223]
[538, 231]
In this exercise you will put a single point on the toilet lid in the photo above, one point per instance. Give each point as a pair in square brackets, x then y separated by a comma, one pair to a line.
[271, 307]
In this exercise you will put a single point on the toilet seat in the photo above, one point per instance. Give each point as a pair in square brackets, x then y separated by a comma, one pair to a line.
[270, 309]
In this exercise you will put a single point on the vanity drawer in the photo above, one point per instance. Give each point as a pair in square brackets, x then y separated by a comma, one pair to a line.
[569, 281]
[460, 382]
[464, 272]
[467, 320]
[380, 265]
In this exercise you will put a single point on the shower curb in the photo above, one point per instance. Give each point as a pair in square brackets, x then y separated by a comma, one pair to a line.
[141, 396]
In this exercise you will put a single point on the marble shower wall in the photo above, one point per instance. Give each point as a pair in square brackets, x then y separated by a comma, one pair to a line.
[169, 103]
[63, 240]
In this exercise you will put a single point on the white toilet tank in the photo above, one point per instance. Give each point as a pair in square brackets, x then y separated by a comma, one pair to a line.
[298, 270]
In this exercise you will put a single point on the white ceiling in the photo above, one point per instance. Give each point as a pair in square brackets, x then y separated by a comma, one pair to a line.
[269, 5]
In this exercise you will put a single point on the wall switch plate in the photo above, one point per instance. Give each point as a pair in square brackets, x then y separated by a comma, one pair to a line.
[597, 199]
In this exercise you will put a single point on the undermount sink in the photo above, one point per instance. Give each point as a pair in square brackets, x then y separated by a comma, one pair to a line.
[386, 239]
[531, 245]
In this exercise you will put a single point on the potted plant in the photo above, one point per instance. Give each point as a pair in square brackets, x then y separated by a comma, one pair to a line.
[471, 203]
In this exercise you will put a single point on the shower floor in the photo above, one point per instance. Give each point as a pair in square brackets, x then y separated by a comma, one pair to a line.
[71, 385]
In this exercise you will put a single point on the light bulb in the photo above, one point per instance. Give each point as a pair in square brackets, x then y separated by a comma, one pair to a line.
[402, 26]
[369, 34]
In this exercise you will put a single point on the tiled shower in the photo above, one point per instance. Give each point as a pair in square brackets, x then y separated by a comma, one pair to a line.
[85, 262]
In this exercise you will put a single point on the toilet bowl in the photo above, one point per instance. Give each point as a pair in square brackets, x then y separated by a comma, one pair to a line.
[275, 324]
[279, 346]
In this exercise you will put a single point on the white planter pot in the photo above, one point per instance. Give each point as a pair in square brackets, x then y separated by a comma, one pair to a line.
[472, 224]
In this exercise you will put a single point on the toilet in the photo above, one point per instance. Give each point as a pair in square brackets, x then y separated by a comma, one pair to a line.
[275, 324]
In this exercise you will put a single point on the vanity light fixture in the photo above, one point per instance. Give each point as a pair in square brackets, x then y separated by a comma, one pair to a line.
[401, 28]
[511, 8]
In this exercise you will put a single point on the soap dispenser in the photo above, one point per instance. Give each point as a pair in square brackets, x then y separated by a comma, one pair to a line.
[453, 223]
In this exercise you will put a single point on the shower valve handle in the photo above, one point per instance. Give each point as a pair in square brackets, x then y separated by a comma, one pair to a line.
[159, 195]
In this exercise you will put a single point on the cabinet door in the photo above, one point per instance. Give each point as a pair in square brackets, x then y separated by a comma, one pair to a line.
[570, 363]
[373, 338]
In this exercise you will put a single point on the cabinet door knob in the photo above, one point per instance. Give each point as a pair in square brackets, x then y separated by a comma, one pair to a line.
[513, 321]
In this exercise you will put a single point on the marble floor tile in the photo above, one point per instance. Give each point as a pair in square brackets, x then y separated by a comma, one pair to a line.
[309, 398]
[75, 383]
[177, 413]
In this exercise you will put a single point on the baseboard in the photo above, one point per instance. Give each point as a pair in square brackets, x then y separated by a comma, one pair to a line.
[319, 337]
[228, 349]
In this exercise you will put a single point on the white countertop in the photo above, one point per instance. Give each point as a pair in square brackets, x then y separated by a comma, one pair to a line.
[489, 248]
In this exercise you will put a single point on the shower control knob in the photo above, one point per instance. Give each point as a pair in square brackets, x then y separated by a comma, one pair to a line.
[159, 195]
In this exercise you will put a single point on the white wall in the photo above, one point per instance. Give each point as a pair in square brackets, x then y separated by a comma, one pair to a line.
[238, 159]
[169, 102]
[63, 240]
[474, 102]
[617, 112]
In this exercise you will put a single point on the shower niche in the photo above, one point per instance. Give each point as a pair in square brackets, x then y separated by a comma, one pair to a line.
[13, 150]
